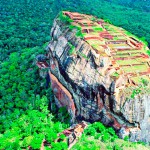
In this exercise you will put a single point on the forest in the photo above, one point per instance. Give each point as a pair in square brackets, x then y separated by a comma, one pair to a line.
[26, 117]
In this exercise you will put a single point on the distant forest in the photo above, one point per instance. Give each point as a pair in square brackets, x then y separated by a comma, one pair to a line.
[24, 32]
[27, 23]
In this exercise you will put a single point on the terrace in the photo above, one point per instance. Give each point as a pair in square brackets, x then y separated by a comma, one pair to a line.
[127, 53]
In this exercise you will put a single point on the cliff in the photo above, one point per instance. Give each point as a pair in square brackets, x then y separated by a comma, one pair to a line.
[100, 72]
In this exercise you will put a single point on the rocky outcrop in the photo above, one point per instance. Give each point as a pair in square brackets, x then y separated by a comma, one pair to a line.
[74, 132]
[93, 73]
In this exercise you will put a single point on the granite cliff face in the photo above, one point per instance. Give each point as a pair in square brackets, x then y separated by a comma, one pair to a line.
[100, 73]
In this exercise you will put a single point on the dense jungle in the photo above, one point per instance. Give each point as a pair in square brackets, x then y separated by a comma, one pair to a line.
[28, 114]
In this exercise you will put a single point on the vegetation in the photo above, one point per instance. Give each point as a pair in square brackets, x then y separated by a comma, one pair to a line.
[142, 88]
[93, 19]
[24, 99]
[78, 31]
[96, 29]
[96, 136]
[25, 118]
[72, 49]
[71, 27]
[64, 18]
[115, 74]
[31, 129]
[24, 31]
[80, 34]
[142, 39]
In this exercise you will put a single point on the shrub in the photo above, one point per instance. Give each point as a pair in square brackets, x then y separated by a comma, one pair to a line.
[93, 19]
[144, 82]
[79, 34]
[99, 127]
[59, 146]
[111, 131]
[109, 147]
[90, 131]
[112, 139]
[98, 135]
[148, 52]
[117, 147]
[65, 18]
[26, 141]
[143, 39]
[37, 141]
[72, 49]
[62, 136]
[105, 137]
[126, 138]
[107, 21]
[71, 27]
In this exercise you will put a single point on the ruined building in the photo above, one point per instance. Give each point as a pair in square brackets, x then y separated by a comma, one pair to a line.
[100, 72]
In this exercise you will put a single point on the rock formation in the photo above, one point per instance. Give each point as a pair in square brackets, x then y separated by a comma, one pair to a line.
[100, 72]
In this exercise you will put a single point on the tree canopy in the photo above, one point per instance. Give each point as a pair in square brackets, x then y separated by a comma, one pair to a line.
[24, 29]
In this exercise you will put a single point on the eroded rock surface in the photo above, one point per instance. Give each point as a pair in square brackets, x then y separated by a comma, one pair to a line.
[101, 74]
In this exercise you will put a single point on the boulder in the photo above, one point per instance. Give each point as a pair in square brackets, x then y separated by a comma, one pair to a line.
[100, 78]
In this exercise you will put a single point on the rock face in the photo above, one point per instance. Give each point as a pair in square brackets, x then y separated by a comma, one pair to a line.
[100, 73]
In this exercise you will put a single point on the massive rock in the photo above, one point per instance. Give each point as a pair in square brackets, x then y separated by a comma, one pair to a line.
[100, 72]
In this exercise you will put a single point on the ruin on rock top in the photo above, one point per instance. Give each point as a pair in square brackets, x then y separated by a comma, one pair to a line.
[100, 72]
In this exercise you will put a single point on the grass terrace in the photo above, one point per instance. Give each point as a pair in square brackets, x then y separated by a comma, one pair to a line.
[135, 69]
[128, 61]
[130, 51]
[129, 57]
[98, 29]
[95, 42]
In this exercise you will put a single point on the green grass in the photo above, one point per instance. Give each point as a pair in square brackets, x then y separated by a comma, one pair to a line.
[79, 30]
[130, 51]
[115, 74]
[85, 34]
[127, 62]
[96, 46]
[141, 68]
[115, 38]
[79, 34]
[97, 29]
